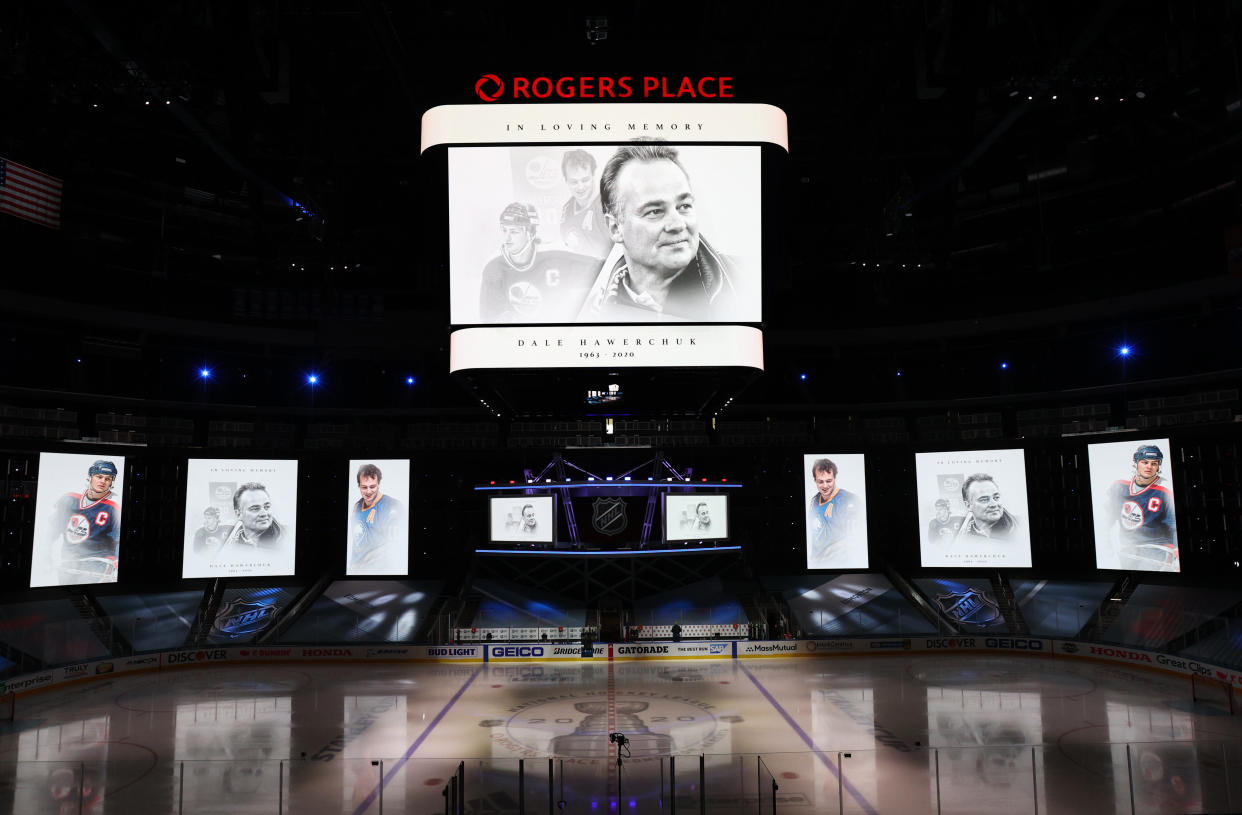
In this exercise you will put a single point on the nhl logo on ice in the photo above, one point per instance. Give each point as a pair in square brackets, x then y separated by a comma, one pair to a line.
[242, 617]
[609, 516]
[970, 606]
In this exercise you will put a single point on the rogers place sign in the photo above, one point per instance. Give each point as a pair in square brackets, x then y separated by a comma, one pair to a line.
[492, 88]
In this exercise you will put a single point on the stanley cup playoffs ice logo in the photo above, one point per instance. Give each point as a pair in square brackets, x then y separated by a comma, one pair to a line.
[971, 606]
[589, 736]
[609, 516]
[577, 725]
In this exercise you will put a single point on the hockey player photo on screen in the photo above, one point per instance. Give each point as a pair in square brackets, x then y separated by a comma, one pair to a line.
[522, 519]
[1132, 506]
[252, 530]
[378, 522]
[77, 532]
[836, 511]
[973, 508]
[640, 232]
[696, 517]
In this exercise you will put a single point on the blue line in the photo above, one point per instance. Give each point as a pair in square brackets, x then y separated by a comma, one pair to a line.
[858, 796]
[418, 742]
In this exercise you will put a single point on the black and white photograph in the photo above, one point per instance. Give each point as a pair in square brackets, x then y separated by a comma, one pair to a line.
[692, 517]
[973, 508]
[1132, 506]
[240, 517]
[378, 522]
[641, 232]
[522, 519]
[836, 510]
[77, 532]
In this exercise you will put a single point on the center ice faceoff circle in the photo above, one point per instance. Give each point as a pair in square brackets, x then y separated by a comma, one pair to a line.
[578, 725]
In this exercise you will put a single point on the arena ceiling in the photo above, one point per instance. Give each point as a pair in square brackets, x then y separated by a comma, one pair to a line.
[967, 185]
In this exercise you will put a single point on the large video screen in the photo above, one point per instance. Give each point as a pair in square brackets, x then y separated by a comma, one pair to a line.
[77, 531]
[1133, 507]
[378, 521]
[648, 232]
[523, 519]
[973, 508]
[241, 518]
[694, 517]
[836, 511]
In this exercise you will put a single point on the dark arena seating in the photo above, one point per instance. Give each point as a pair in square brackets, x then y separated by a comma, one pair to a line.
[716, 408]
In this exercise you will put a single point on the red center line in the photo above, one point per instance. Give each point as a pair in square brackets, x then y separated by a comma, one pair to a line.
[612, 728]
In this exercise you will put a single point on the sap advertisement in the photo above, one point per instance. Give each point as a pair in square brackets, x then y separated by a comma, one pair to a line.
[1132, 506]
[522, 519]
[696, 517]
[973, 508]
[240, 518]
[77, 533]
[836, 511]
[583, 233]
[378, 520]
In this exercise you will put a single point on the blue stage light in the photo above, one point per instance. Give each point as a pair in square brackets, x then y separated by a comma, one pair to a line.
[1004, 366]
[204, 373]
[409, 380]
[802, 377]
[312, 379]
[1124, 350]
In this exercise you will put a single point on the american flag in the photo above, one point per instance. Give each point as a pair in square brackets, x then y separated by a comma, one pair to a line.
[29, 194]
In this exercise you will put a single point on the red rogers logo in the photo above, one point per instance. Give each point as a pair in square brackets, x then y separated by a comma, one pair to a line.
[484, 82]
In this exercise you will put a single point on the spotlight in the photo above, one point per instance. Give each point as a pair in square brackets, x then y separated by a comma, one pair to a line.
[312, 379]
[409, 380]
[1124, 350]
[204, 373]
[802, 377]
[1004, 366]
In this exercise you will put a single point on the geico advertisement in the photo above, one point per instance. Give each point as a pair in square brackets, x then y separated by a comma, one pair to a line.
[543, 650]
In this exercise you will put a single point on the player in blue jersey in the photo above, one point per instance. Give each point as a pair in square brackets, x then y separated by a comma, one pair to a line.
[375, 522]
[88, 529]
[1145, 530]
[833, 516]
[525, 284]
